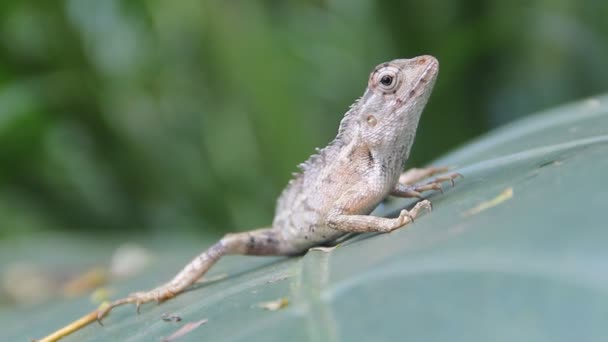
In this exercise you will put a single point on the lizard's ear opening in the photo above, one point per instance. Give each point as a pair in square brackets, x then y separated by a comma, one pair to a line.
[371, 120]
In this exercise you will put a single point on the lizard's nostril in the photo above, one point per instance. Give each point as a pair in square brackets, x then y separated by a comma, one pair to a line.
[422, 61]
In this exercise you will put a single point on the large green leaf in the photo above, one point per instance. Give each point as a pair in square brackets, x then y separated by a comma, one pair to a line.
[531, 267]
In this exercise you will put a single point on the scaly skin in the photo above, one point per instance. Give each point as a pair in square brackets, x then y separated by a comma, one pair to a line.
[341, 184]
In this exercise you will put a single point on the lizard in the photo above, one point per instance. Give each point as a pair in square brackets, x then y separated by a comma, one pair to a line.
[340, 185]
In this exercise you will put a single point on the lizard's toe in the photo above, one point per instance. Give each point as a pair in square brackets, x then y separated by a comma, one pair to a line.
[406, 214]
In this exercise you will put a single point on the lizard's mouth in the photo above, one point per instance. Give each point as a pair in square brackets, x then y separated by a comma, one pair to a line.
[426, 79]
[429, 73]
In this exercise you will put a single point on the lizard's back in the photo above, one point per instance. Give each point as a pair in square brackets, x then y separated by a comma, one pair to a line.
[305, 203]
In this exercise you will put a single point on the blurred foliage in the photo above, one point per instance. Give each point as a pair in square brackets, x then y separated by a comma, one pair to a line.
[193, 114]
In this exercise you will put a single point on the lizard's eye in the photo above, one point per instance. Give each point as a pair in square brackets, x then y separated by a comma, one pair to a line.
[386, 79]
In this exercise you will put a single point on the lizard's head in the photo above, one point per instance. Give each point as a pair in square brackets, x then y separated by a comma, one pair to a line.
[395, 97]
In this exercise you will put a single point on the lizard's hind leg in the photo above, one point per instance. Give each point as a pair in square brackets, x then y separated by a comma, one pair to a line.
[255, 242]
[415, 175]
[409, 186]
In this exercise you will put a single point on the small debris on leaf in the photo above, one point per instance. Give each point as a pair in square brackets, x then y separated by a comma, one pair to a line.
[275, 304]
[84, 282]
[503, 196]
[128, 260]
[101, 295]
[187, 328]
[170, 317]
[27, 283]
[277, 279]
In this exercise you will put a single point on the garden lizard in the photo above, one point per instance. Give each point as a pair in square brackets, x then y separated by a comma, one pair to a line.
[341, 184]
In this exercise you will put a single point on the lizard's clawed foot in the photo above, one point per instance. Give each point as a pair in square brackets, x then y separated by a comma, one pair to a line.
[436, 183]
[158, 295]
[406, 216]
[451, 177]
[415, 175]
[406, 188]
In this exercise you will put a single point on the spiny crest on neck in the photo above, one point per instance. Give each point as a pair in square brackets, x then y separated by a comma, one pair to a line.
[340, 140]
[347, 120]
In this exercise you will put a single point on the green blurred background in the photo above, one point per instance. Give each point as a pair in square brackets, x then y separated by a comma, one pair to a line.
[157, 116]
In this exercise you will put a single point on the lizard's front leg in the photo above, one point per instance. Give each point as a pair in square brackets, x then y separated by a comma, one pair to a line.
[409, 185]
[256, 242]
[368, 223]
